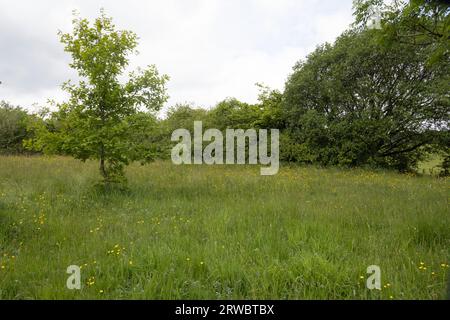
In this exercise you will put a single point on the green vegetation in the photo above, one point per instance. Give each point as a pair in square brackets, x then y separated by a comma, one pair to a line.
[103, 119]
[220, 232]
[432, 165]
[374, 98]
[355, 103]
[364, 108]
[415, 23]
[13, 128]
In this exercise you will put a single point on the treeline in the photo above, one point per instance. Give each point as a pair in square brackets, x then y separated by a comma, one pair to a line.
[371, 98]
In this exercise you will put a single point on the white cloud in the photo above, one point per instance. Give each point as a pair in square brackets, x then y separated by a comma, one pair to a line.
[211, 49]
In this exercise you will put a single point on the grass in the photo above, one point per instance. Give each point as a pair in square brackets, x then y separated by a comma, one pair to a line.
[431, 165]
[220, 232]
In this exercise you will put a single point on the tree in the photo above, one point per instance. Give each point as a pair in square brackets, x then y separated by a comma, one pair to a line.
[270, 105]
[183, 116]
[13, 129]
[104, 119]
[416, 23]
[356, 102]
[232, 113]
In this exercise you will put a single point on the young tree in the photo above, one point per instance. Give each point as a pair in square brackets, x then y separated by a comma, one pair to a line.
[104, 119]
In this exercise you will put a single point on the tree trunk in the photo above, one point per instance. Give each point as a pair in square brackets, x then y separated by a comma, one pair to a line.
[102, 163]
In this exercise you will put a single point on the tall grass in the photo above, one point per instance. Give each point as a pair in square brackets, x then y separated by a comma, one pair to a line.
[220, 232]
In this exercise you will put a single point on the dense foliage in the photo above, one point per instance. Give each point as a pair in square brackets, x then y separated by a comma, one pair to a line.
[13, 128]
[375, 97]
[356, 102]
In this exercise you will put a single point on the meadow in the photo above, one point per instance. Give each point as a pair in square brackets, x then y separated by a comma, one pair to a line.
[220, 232]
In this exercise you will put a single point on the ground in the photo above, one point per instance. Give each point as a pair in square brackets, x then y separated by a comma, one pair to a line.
[220, 232]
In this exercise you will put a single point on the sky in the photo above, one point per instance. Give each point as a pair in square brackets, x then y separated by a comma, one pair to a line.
[211, 49]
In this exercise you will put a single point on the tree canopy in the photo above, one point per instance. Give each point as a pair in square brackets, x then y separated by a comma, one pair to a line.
[415, 23]
[356, 102]
[104, 118]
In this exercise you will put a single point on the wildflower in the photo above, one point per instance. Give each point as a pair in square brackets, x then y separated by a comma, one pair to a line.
[100, 291]
[188, 259]
[391, 297]
[91, 281]
[202, 263]
[130, 263]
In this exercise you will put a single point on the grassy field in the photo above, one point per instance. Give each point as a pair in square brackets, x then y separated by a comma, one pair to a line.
[431, 166]
[220, 232]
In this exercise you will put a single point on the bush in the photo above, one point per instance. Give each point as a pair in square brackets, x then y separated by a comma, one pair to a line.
[13, 128]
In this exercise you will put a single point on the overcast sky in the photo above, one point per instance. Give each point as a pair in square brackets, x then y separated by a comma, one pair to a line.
[211, 49]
